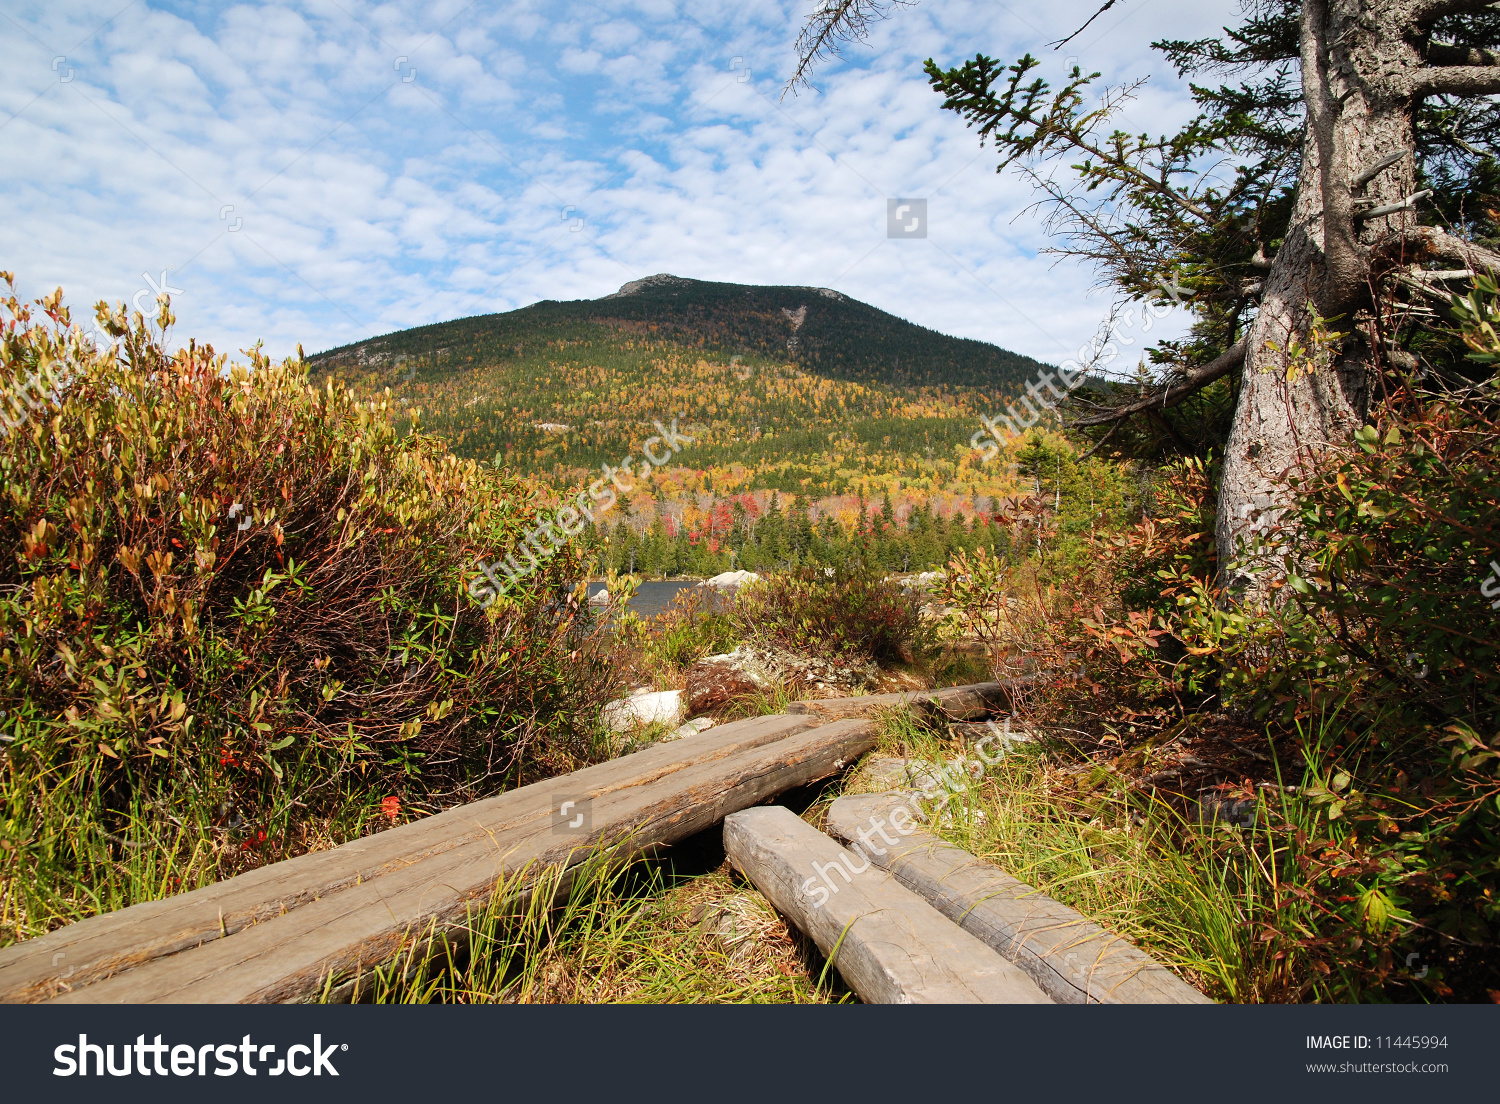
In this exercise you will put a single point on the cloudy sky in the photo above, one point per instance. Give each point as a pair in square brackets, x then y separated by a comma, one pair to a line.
[328, 170]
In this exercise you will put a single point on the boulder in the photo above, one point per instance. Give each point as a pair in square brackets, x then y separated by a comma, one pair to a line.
[820, 677]
[714, 680]
[730, 580]
[644, 707]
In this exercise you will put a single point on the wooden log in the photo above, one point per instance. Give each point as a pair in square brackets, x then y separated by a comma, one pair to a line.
[100, 946]
[353, 927]
[1070, 957]
[889, 945]
[1000, 733]
[952, 702]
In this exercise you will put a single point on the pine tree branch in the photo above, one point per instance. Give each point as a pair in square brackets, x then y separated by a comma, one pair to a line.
[1425, 242]
[1441, 53]
[1426, 12]
[1194, 380]
[1457, 80]
[833, 26]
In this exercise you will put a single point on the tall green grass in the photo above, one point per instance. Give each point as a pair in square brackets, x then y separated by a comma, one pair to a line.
[79, 856]
[638, 934]
[1223, 906]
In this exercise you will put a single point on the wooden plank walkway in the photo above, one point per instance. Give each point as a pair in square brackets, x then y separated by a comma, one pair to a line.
[1073, 959]
[887, 943]
[279, 933]
[291, 930]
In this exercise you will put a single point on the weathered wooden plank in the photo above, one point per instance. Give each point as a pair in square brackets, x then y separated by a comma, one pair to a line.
[1070, 957]
[953, 702]
[100, 946]
[288, 957]
[889, 945]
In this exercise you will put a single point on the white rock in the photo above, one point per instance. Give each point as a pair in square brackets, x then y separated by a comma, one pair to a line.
[730, 580]
[644, 707]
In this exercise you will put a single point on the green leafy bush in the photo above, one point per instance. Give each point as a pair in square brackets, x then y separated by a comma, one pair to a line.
[696, 623]
[838, 613]
[1373, 667]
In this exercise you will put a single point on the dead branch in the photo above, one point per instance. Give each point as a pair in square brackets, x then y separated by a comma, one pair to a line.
[1419, 243]
[1061, 42]
[1193, 380]
[1457, 80]
[833, 26]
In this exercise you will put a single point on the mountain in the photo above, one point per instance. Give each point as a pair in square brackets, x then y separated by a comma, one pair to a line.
[822, 331]
[797, 389]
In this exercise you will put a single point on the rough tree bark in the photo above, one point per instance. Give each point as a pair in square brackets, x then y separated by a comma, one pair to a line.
[1364, 67]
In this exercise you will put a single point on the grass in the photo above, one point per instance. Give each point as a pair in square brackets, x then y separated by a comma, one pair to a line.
[1212, 902]
[65, 856]
[642, 934]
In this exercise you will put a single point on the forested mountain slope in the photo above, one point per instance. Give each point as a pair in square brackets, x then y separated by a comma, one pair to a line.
[802, 389]
[784, 391]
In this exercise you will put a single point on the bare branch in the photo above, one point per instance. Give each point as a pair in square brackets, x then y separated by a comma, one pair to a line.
[1426, 12]
[1440, 53]
[832, 27]
[1391, 208]
[1457, 80]
[1097, 445]
[1422, 242]
[1365, 175]
[1061, 42]
[1193, 380]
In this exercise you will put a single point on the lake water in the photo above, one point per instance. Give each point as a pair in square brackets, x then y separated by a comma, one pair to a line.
[652, 597]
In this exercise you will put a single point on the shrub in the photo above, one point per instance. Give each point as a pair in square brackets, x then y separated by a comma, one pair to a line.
[1371, 671]
[235, 616]
[696, 623]
[840, 613]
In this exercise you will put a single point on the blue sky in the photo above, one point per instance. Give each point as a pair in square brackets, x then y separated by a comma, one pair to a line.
[325, 171]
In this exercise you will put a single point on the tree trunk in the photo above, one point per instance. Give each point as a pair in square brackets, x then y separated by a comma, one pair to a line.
[1298, 398]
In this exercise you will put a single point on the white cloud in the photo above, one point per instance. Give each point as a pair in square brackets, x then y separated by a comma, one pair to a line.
[370, 203]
